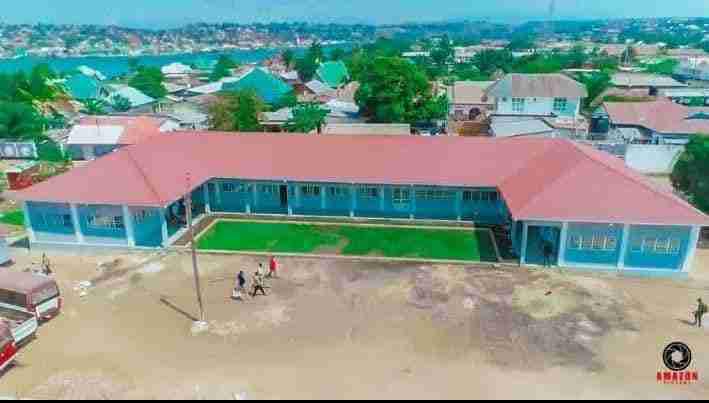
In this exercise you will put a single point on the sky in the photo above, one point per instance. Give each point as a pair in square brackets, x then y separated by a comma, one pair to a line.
[170, 13]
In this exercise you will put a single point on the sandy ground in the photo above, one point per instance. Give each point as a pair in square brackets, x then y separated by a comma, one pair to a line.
[338, 329]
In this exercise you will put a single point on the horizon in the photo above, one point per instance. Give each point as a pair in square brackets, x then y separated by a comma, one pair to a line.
[166, 14]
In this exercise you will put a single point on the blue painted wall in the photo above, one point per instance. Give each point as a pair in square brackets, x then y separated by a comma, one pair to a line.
[584, 255]
[95, 234]
[637, 257]
[51, 222]
[147, 226]
[536, 237]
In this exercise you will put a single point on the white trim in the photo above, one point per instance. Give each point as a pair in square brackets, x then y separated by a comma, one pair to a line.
[459, 205]
[254, 191]
[218, 191]
[128, 225]
[624, 245]
[207, 201]
[77, 224]
[563, 240]
[523, 247]
[323, 197]
[163, 223]
[412, 214]
[692, 251]
[353, 204]
[28, 223]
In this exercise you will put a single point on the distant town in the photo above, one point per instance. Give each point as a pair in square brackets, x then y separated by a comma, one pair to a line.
[92, 40]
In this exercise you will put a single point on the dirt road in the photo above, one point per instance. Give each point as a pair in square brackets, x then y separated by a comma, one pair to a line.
[337, 329]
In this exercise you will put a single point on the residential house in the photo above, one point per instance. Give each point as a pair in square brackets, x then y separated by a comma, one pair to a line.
[545, 196]
[82, 87]
[96, 136]
[468, 101]
[333, 74]
[503, 126]
[688, 96]
[541, 95]
[658, 122]
[554, 98]
[176, 71]
[318, 91]
[139, 102]
[694, 68]
[268, 87]
[644, 84]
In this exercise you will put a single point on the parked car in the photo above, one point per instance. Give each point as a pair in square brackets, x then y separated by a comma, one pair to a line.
[31, 293]
[8, 348]
[22, 324]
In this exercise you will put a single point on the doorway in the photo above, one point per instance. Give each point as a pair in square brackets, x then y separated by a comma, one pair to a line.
[540, 241]
[284, 196]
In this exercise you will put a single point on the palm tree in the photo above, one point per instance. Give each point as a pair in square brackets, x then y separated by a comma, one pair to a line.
[94, 107]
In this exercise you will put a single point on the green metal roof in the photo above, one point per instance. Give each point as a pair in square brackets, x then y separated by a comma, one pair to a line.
[267, 86]
[82, 87]
[333, 74]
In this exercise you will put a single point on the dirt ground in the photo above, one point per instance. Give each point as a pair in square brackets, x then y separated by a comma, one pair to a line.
[341, 329]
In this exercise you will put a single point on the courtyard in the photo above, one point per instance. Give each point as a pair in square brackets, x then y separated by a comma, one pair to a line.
[465, 244]
[333, 328]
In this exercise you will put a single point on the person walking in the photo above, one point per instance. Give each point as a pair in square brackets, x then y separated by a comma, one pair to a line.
[258, 284]
[272, 268]
[240, 286]
[700, 312]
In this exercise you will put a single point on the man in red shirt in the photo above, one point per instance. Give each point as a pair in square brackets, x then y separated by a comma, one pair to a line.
[272, 268]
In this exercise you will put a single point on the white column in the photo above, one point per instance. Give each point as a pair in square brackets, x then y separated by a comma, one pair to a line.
[254, 189]
[323, 198]
[207, 201]
[412, 215]
[459, 204]
[77, 224]
[163, 225]
[290, 206]
[562, 244]
[218, 192]
[381, 198]
[353, 195]
[128, 223]
[624, 243]
[523, 247]
[28, 223]
[691, 248]
[297, 196]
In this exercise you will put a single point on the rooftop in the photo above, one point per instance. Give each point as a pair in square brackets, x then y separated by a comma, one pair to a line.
[537, 85]
[469, 92]
[644, 80]
[540, 178]
[123, 130]
[662, 116]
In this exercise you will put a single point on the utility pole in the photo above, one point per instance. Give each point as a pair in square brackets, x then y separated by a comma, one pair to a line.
[190, 229]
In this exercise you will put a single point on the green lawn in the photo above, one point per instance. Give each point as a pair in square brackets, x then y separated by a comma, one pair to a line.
[351, 240]
[15, 217]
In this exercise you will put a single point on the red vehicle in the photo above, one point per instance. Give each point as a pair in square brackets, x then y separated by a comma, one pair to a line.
[8, 349]
[32, 293]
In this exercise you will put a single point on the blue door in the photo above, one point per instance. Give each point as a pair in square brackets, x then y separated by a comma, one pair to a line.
[543, 245]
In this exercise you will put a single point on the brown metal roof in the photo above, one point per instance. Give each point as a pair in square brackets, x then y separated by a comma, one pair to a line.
[537, 85]
[24, 283]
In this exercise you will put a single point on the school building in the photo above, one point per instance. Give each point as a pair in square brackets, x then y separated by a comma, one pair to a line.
[592, 210]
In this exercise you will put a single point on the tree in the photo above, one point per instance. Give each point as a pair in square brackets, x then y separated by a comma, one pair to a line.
[94, 107]
[120, 103]
[149, 80]
[288, 100]
[306, 67]
[288, 58]
[690, 173]
[236, 111]
[442, 54]
[338, 54]
[490, 61]
[393, 90]
[223, 68]
[596, 84]
[306, 118]
[19, 121]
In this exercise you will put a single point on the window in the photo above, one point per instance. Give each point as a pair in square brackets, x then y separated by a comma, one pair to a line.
[142, 216]
[401, 196]
[595, 242]
[368, 192]
[339, 191]
[434, 194]
[560, 104]
[13, 298]
[103, 222]
[57, 220]
[229, 187]
[471, 196]
[267, 189]
[310, 190]
[675, 246]
[518, 105]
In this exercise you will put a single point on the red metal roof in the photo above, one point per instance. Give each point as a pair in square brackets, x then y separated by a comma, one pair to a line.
[136, 129]
[662, 116]
[544, 179]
